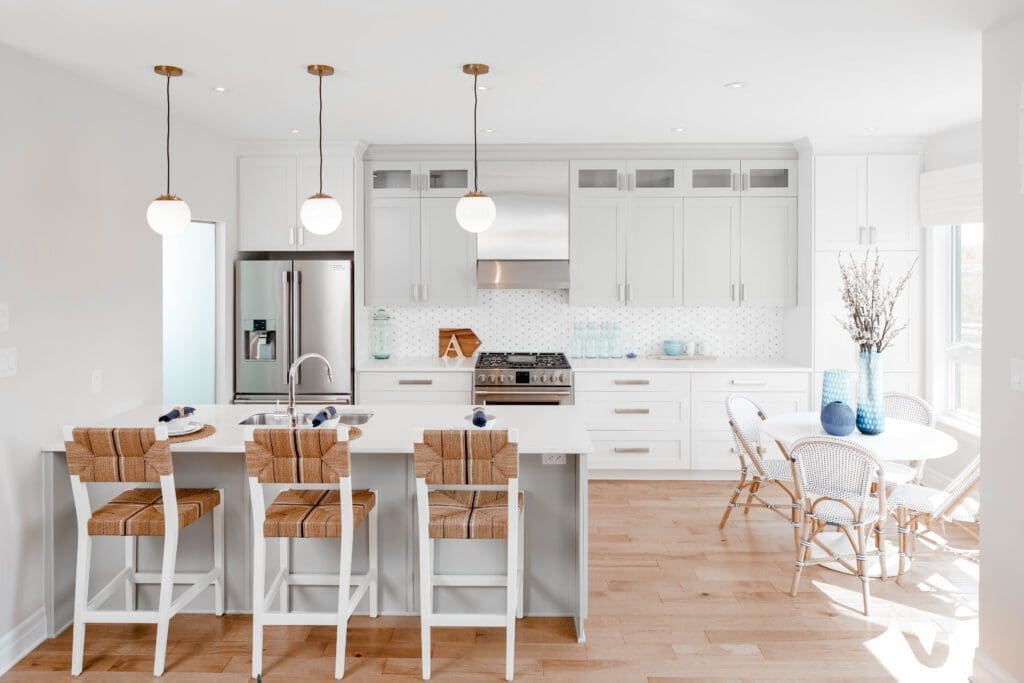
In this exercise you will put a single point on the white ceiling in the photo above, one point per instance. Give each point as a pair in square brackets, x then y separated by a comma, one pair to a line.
[562, 70]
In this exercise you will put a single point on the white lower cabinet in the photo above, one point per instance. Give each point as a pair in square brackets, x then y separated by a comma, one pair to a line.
[626, 450]
[414, 387]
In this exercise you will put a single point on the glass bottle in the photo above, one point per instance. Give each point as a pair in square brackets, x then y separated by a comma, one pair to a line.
[380, 335]
[590, 342]
[603, 345]
[576, 341]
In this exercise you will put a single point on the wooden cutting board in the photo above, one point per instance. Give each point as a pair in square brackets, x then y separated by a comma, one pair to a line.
[468, 342]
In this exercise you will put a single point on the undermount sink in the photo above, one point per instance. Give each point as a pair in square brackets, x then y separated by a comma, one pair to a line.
[353, 419]
[276, 419]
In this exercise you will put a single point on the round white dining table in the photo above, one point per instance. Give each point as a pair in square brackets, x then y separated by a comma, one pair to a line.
[900, 441]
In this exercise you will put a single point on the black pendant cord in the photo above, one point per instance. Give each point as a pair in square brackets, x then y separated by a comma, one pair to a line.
[168, 139]
[320, 124]
[476, 168]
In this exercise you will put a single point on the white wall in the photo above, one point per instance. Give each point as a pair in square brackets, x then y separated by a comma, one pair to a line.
[954, 147]
[81, 273]
[1002, 600]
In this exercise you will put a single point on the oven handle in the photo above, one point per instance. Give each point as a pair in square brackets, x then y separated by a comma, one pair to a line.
[484, 392]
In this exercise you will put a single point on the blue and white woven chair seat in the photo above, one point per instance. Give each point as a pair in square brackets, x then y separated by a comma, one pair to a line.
[837, 512]
[927, 500]
[777, 468]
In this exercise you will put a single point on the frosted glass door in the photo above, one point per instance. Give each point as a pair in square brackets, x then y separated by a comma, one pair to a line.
[655, 178]
[448, 178]
[598, 178]
[711, 178]
[768, 178]
[393, 178]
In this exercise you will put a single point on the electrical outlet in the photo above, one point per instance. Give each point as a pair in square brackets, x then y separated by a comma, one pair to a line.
[97, 381]
[1017, 374]
[553, 459]
[8, 362]
[5, 318]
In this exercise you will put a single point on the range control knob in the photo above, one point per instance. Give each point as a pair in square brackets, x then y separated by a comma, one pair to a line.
[481, 378]
[561, 378]
[543, 379]
[502, 379]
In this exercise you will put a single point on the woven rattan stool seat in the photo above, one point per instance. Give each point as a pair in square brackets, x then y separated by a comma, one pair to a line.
[138, 512]
[470, 514]
[313, 513]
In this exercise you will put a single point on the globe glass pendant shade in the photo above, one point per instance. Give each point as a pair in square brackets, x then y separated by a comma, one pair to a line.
[475, 212]
[168, 215]
[320, 214]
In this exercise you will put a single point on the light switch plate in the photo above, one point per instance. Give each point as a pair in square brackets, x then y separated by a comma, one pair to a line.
[1017, 374]
[553, 459]
[5, 318]
[8, 362]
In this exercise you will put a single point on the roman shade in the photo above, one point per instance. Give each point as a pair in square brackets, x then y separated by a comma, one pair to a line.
[952, 196]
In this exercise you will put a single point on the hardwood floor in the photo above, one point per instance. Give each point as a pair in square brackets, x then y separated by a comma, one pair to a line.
[671, 598]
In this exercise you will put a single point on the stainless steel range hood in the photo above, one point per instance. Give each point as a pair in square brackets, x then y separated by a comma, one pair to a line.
[528, 245]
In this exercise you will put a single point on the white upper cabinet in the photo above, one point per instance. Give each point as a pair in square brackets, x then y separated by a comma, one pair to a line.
[768, 178]
[267, 200]
[446, 178]
[598, 178]
[447, 256]
[597, 251]
[271, 190]
[655, 178]
[393, 251]
[393, 179]
[866, 200]
[740, 251]
[711, 255]
[654, 252]
[715, 178]
[893, 215]
[338, 184]
[768, 251]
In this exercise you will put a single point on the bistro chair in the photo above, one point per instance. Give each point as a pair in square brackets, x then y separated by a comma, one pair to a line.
[318, 503]
[133, 455]
[834, 479]
[920, 506]
[467, 487]
[908, 408]
[745, 418]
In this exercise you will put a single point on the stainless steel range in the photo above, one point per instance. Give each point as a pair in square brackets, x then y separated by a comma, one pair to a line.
[522, 379]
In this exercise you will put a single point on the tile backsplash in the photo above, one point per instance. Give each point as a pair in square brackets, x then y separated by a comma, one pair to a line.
[542, 320]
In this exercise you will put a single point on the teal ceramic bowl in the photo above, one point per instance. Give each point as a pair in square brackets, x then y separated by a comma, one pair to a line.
[672, 347]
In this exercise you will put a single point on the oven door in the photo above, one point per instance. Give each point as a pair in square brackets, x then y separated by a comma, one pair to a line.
[525, 396]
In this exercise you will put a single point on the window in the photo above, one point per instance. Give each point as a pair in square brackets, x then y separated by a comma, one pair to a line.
[963, 351]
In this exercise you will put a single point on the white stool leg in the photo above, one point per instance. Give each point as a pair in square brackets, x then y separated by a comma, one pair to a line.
[218, 556]
[130, 546]
[344, 595]
[511, 600]
[522, 564]
[372, 569]
[259, 573]
[426, 599]
[166, 591]
[81, 600]
[284, 559]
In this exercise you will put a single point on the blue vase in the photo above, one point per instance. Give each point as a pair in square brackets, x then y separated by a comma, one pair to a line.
[837, 419]
[835, 386]
[870, 394]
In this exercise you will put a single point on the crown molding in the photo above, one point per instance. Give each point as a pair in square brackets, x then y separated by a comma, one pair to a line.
[862, 144]
[582, 151]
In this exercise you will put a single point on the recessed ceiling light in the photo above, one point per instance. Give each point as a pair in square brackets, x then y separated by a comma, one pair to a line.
[295, 131]
[219, 88]
[678, 130]
[735, 85]
[486, 130]
[871, 129]
[483, 87]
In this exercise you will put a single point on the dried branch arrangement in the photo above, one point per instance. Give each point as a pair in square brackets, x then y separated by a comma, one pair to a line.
[870, 301]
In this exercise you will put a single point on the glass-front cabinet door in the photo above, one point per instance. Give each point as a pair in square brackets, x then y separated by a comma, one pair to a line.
[598, 178]
[656, 178]
[715, 178]
[447, 178]
[768, 178]
[393, 178]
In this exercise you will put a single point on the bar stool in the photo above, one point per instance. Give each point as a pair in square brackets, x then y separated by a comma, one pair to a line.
[137, 456]
[320, 503]
[467, 487]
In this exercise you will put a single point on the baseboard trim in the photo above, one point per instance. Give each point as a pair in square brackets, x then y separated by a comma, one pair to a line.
[22, 639]
[987, 670]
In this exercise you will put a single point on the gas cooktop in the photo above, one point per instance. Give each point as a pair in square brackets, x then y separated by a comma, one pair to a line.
[523, 369]
[522, 360]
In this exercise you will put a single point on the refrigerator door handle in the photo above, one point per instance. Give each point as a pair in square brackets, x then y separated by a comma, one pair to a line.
[297, 321]
[286, 311]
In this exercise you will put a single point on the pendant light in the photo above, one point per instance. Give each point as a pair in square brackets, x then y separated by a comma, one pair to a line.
[475, 212]
[321, 213]
[168, 214]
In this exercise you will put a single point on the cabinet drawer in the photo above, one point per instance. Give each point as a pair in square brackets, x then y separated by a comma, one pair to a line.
[379, 397]
[627, 454]
[751, 381]
[605, 410]
[631, 381]
[416, 381]
[707, 410]
[714, 451]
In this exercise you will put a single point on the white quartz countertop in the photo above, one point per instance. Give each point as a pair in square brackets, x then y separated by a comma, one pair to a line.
[392, 429]
[428, 364]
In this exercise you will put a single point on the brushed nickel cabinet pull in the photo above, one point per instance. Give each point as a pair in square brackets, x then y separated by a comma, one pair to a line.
[632, 411]
[633, 381]
[416, 381]
[749, 382]
[619, 449]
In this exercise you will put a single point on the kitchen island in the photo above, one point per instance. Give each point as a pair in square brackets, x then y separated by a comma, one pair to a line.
[553, 447]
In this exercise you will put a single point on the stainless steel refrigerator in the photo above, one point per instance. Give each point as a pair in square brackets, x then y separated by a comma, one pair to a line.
[284, 309]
